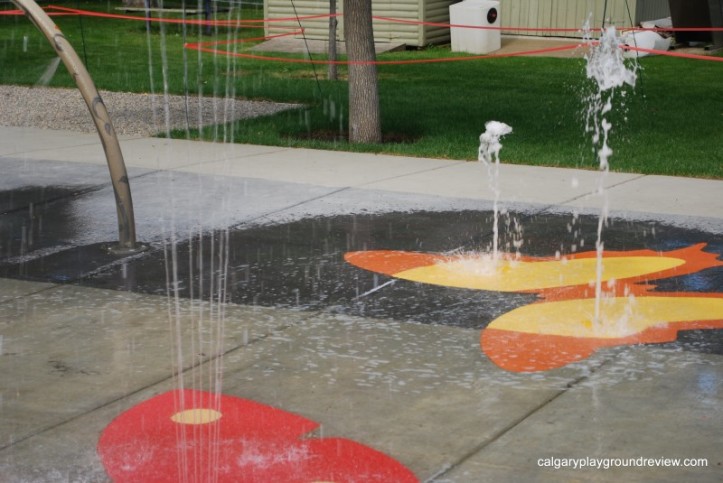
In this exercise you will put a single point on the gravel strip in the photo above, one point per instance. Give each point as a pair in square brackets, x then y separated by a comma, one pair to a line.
[131, 114]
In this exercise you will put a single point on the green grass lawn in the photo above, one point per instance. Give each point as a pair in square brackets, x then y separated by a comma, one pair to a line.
[671, 123]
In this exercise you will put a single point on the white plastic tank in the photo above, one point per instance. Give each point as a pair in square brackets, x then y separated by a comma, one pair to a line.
[475, 13]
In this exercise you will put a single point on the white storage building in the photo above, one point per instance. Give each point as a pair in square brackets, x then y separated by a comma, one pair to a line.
[410, 34]
[537, 14]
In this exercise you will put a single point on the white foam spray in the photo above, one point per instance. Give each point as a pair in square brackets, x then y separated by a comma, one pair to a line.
[489, 154]
[606, 67]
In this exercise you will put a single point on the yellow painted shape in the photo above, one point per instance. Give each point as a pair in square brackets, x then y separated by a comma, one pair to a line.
[196, 416]
[518, 276]
[619, 316]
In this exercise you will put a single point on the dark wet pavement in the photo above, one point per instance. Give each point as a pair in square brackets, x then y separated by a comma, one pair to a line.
[300, 264]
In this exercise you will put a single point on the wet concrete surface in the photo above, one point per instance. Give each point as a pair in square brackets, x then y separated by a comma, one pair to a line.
[36, 218]
[248, 272]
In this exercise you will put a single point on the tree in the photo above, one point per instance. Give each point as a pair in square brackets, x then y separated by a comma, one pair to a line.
[332, 71]
[364, 117]
[137, 3]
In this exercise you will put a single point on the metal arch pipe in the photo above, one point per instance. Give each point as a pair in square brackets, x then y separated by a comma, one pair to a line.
[114, 157]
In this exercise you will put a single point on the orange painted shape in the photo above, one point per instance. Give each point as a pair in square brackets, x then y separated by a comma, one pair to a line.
[561, 330]
[549, 335]
[619, 317]
[695, 260]
[523, 352]
[390, 262]
[569, 277]
[533, 352]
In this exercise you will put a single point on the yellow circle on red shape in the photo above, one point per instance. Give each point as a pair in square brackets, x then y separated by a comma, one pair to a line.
[196, 416]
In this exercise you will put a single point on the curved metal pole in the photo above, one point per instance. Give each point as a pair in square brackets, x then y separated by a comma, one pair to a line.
[99, 113]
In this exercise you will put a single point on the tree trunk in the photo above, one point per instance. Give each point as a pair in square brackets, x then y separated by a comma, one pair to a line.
[332, 73]
[364, 116]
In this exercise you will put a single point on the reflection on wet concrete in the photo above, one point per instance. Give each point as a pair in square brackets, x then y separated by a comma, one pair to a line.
[706, 341]
[36, 218]
[69, 264]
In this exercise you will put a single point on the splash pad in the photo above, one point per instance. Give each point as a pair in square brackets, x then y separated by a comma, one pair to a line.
[202, 418]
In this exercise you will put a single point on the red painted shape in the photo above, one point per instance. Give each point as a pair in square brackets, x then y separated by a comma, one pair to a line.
[251, 442]
[526, 352]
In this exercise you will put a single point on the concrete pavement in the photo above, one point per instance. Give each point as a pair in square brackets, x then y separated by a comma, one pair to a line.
[348, 352]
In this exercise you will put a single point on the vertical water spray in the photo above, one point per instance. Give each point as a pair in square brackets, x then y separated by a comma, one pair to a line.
[184, 35]
[229, 112]
[197, 282]
[164, 73]
[489, 154]
[605, 66]
[197, 332]
[151, 83]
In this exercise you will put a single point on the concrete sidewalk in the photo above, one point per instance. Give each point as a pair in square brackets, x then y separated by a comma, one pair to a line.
[696, 201]
[75, 355]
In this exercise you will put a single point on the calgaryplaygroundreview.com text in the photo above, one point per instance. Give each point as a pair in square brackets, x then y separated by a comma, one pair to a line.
[608, 463]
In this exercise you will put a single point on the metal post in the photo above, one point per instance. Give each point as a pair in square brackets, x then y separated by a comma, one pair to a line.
[99, 113]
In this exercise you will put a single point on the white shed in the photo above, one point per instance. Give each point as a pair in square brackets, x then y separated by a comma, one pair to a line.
[415, 35]
[542, 14]
[571, 14]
